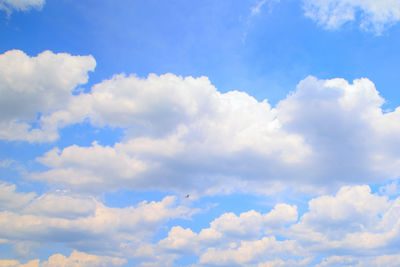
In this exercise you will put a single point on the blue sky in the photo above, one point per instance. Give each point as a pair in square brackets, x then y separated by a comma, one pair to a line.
[278, 119]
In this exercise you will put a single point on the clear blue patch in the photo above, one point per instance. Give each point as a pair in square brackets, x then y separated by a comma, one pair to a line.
[84, 134]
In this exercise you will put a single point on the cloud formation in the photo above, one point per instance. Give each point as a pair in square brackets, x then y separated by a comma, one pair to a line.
[20, 5]
[76, 259]
[352, 222]
[32, 87]
[80, 222]
[182, 134]
[373, 15]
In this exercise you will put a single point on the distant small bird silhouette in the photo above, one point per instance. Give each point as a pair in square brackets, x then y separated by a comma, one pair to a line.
[187, 196]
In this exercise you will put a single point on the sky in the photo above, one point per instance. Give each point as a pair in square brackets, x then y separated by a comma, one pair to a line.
[199, 133]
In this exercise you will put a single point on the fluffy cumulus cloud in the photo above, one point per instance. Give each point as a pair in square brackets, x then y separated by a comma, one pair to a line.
[233, 239]
[31, 87]
[354, 221]
[182, 134]
[373, 15]
[175, 127]
[20, 5]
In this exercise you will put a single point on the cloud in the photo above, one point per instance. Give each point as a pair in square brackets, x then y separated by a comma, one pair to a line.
[175, 122]
[76, 259]
[256, 9]
[345, 217]
[10, 200]
[181, 134]
[80, 222]
[249, 252]
[229, 230]
[354, 221]
[20, 5]
[384, 260]
[373, 15]
[31, 87]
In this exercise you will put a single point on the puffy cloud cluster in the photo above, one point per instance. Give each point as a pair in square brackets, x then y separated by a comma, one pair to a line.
[232, 239]
[332, 14]
[20, 5]
[352, 222]
[32, 87]
[80, 222]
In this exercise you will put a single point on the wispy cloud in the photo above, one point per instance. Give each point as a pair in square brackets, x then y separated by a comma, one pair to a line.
[20, 5]
[371, 15]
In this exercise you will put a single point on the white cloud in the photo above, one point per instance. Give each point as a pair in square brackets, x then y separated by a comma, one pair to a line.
[250, 252]
[383, 260]
[172, 124]
[80, 259]
[10, 200]
[345, 127]
[76, 259]
[353, 208]
[228, 229]
[288, 263]
[352, 222]
[20, 5]
[85, 172]
[338, 261]
[184, 135]
[374, 15]
[256, 9]
[37, 85]
[80, 222]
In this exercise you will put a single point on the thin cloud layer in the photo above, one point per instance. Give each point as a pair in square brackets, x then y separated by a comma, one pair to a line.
[20, 5]
[372, 15]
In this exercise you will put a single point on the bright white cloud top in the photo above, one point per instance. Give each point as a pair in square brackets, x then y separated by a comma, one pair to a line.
[140, 153]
